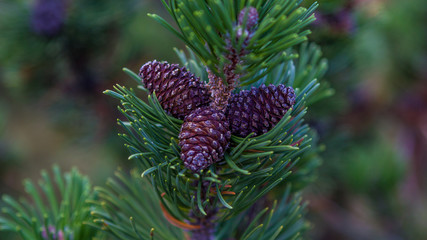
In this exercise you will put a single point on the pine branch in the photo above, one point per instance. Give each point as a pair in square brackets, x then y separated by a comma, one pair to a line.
[196, 176]
[129, 209]
[231, 46]
[57, 212]
[282, 220]
[151, 139]
[302, 67]
[211, 28]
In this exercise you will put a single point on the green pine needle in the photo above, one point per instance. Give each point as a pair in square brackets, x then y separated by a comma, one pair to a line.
[60, 207]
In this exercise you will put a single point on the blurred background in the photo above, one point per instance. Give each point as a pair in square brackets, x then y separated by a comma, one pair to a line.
[372, 184]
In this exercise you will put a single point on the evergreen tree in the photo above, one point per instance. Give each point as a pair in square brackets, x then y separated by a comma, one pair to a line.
[217, 135]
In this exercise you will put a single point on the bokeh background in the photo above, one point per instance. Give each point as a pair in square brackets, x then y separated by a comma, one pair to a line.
[373, 180]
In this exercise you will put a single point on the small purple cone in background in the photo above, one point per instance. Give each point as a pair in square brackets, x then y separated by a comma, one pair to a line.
[48, 17]
[345, 22]
[342, 21]
[251, 15]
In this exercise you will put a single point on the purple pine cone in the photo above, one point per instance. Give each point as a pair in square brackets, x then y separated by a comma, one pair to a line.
[48, 17]
[258, 110]
[178, 90]
[204, 137]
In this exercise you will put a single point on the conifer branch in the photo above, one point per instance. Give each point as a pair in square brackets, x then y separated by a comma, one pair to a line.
[58, 211]
[214, 137]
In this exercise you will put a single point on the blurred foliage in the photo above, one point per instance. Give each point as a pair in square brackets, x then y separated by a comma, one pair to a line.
[279, 221]
[48, 216]
[373, 167]
[53, 109]
[120, 202]
[96, 40]
[372, 156]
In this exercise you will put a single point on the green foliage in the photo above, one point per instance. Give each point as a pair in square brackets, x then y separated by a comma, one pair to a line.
[127, 209]
[3, 117]
[151, 138]
[87, 25]
[93, 25]
[304, 171]
[372, 168]
[252, 167]
[297, 73]
[60, 208]
[393, 44]
[282, 221]
[17, 39]
[131, 207]
[207, 26]
[90, 32]
[311, 65]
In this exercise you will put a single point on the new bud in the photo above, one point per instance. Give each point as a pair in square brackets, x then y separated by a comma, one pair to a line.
[250, 14]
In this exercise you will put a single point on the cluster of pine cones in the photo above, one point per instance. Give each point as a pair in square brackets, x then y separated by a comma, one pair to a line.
[206, 131]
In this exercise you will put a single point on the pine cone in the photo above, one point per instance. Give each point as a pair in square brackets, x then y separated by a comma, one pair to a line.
[178, 90]
[258, 110]
[48, 17]
[204, 138]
